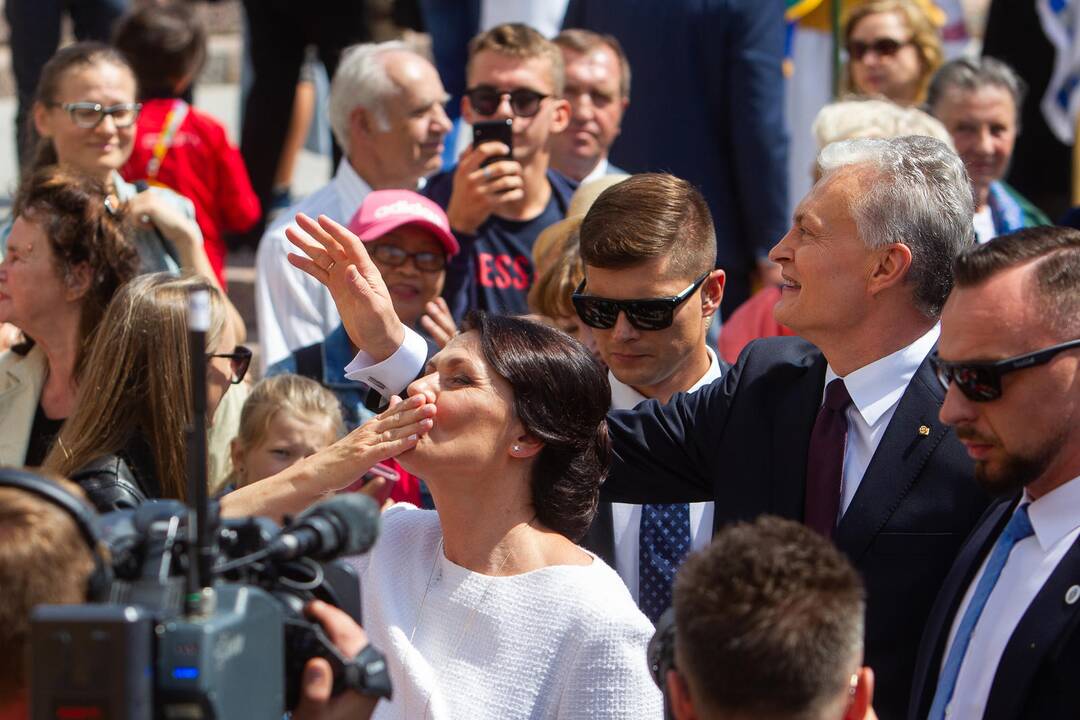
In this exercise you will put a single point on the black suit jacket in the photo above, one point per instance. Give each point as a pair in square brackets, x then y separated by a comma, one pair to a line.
[743, 442]
[1039, 671]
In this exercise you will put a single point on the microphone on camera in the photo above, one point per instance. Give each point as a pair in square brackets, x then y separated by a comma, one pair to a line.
[341, 525]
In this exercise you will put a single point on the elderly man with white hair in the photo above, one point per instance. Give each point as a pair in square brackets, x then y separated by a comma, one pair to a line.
[386, 111]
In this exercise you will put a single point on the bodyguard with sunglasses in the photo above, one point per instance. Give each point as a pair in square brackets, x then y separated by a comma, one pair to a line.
[648, 295]
[498, 205]
[1003, 640]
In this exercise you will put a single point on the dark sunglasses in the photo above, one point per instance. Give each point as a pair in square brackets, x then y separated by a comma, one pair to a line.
[981, 382]
[240, 358]
[524, 103]
[89, 115]
[394, 256]
[883, 47]
[644, 314]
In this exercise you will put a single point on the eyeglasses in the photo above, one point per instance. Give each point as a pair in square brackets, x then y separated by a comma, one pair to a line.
[89, 115]
[239, 358]
[882, 47]
[981, 382]
[524, 103]
[394, 256]
[644, 314]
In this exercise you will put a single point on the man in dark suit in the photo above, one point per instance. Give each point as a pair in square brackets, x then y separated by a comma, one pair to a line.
[1002, 640]
[708, 107]
[866, 271]
[866, 274]
[650, 236]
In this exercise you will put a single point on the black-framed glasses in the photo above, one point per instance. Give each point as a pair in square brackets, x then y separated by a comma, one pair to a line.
[644, 314]
[89, 115]
[239, 358]
[394, 256]
[981, 382]
[524, 102]
[882, 47]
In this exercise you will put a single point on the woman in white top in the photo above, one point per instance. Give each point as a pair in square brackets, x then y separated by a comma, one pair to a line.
[487, 608]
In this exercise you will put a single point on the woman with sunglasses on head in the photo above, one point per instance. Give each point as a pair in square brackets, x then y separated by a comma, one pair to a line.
[893, 50]
[85, 111]
[67, 255]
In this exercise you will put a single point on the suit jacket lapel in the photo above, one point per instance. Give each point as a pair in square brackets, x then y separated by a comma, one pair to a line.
[1042, 626]
[911, 437]
[938, 625]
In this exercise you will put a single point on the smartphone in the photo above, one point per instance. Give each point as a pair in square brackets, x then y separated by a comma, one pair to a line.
[497, 131]
[379, 470]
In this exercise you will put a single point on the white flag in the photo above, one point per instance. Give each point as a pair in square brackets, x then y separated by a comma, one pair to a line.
[1061, 23]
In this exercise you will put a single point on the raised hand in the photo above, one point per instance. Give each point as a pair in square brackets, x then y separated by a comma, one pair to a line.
[337, 258]
[478, 191]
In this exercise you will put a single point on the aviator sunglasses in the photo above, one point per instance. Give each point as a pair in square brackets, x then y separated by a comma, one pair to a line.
[523, 102]
[644, 314]
[240, 358]
[882, 47]
[981, 381]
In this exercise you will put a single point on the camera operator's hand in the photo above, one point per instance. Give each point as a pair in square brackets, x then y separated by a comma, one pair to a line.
[478, 191]
[337, 259]
[316, 702]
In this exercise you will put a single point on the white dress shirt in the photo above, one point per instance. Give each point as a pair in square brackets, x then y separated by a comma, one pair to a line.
[597, 172]
[1056, 520]
[626, 518]
[293, 309]
[875, 391]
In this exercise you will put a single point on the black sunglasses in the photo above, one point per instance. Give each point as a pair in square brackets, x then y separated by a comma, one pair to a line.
[981, 382]
[240, 358]
[883, 47]
[485, 100]
[644, 314]
[394, 256]
[89, 115]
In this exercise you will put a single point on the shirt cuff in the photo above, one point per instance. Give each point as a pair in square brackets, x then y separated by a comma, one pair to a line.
[393, 374]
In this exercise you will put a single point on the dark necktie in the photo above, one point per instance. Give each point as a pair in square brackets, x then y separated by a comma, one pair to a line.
[662, 546]
[825, 461]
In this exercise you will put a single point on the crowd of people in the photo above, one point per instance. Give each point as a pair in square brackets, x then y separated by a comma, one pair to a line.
[860, 499]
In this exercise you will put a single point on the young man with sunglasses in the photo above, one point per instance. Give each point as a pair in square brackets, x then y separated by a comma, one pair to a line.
[648, 295]
[497, 205]
[1002, 640]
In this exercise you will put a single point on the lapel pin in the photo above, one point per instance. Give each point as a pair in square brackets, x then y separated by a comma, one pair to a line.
[924, 430]
[1072, 595]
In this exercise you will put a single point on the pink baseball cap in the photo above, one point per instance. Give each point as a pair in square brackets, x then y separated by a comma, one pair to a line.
[386, 210]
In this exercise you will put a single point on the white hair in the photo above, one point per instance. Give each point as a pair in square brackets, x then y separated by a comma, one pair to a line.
[922, 198]
[361, 80]
[861, 118]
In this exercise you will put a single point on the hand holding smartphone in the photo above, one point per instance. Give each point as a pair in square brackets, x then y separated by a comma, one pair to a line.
[494, 131]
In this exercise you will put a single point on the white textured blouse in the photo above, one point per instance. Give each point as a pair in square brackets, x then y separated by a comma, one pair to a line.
[565, 641]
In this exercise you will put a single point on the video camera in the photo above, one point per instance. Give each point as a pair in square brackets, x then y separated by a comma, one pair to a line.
[193, 618]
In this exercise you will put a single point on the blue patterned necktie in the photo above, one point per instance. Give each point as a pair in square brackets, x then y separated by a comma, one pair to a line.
[662, 546]
[1019, 527]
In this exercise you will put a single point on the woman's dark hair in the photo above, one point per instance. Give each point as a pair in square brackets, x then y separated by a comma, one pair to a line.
[562, 397]
[164, 44]
[81, 54]
[71, 211]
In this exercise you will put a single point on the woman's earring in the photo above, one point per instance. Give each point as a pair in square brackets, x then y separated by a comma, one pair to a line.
[516, 448]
